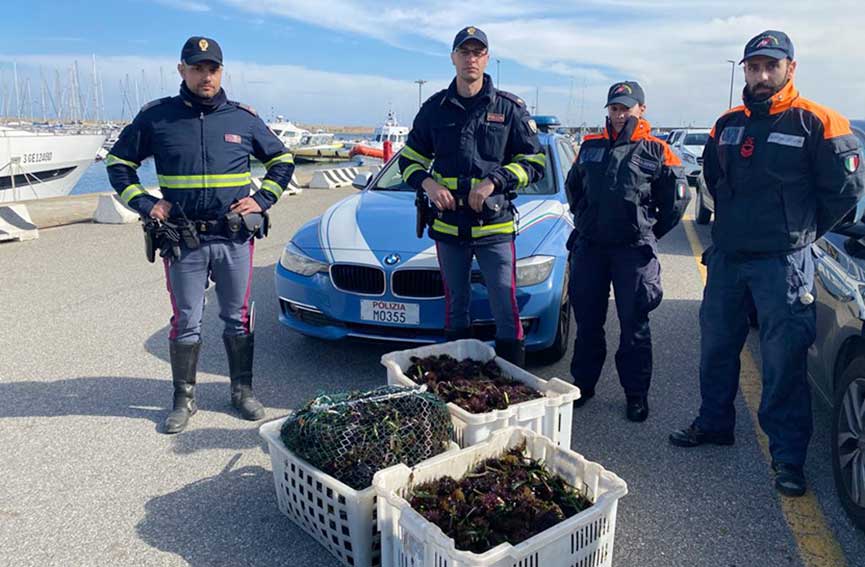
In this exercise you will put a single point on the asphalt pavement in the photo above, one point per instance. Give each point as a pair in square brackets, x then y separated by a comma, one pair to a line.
[89, 481]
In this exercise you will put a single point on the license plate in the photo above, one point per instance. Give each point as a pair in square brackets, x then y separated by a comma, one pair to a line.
[390, 312]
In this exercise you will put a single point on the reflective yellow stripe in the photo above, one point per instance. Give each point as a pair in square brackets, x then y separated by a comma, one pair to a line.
[131, 192]
[203, 181]
[451, 182]
[114, 160]
[411, 169]
[411, 154]
[281, 158]
[272, 186]
[520, 172]
[445, 228]
[501, 228]
[540, 159]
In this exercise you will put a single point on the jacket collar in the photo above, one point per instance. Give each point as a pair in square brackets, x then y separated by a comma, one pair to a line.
[487, 92]
[635, 129]
[776, 104]
[192, 100]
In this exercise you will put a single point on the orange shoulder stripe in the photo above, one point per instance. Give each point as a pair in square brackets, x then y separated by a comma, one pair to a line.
[594, 137]
[740, 108]
[670, 159]
[834, 125]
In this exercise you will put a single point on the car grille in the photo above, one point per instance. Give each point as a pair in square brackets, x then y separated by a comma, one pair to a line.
[357, 279]
[417, 283]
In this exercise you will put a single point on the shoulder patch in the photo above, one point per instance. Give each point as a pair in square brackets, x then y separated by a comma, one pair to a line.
[156, 102]
[512, 97]
[245, 107]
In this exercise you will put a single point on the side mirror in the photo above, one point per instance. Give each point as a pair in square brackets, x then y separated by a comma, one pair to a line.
[361, 180]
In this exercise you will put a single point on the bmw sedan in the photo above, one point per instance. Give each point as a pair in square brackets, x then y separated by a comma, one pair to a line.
[359, 270]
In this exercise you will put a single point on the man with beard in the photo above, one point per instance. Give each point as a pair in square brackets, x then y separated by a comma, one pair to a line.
[201, 143]
[783, 171]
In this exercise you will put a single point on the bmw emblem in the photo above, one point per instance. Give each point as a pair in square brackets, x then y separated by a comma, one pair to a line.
[392, 259]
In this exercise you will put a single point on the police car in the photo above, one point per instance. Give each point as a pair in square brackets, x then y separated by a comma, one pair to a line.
[359, 270]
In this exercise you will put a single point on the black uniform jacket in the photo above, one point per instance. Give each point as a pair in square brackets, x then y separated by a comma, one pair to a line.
[201, 154]
[626, 189]
[497, 139]
[782, 173]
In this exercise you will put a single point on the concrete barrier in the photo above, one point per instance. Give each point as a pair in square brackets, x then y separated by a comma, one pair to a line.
[292, 189]
[15, 223]
[338, 177]
[109, 210]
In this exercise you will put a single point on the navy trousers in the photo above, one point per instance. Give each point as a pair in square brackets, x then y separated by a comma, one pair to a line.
[787, 329]
[229, 265]
[635, 274]
[498, 266]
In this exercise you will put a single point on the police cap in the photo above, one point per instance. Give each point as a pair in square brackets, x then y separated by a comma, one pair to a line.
[628, 93]
[468, 33]
[198, 49]
[771, 43]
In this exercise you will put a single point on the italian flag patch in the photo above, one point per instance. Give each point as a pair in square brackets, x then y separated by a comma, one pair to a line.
[681, 189]
[851, 163]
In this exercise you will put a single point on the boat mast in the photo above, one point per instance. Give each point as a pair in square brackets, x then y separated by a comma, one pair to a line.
[17, 94]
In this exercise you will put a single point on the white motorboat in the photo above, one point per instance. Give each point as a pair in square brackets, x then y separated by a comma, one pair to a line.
[290, 134]
[37, 165]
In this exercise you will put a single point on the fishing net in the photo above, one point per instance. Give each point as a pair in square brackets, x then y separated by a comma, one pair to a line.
[351, 436]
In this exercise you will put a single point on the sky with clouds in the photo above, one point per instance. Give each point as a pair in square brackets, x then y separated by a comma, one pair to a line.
[349, 61]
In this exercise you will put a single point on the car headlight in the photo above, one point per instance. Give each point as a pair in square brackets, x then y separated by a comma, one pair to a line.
[689, 158]
[534, 269]
[294, 260]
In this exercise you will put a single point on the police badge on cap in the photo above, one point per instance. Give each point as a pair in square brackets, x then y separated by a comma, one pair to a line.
[198, 49]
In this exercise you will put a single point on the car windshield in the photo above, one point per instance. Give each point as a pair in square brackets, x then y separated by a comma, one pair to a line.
[696, 139]
[391, 180]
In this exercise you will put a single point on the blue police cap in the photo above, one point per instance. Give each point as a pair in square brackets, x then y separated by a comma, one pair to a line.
[468, 33]
[771, 43]
[198, 49]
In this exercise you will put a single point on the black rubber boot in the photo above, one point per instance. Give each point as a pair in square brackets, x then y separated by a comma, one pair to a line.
[184, 359]
[457, 334]
[240, 349]
[514, 351]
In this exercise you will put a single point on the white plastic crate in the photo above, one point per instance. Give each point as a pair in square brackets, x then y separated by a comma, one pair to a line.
[549, 415]
[583, 540]
[340, 518]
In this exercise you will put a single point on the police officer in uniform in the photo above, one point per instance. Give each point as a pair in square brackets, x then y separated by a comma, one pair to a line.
[201, 143]
[783, 170]
[471, 147]
[626, 190]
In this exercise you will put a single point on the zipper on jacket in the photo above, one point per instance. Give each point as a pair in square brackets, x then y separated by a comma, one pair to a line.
[203, 163]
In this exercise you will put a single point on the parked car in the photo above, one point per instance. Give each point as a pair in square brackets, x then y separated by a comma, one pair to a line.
[836, 361]
[674, 135]
[688, 145]
[359, 270]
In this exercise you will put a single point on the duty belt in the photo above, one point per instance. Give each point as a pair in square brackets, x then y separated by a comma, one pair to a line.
[210, 226]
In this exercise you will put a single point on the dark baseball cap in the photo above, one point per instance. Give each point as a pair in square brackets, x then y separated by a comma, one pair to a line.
[468, 33]
[771, 43]
[198, 49]
[628, 93]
